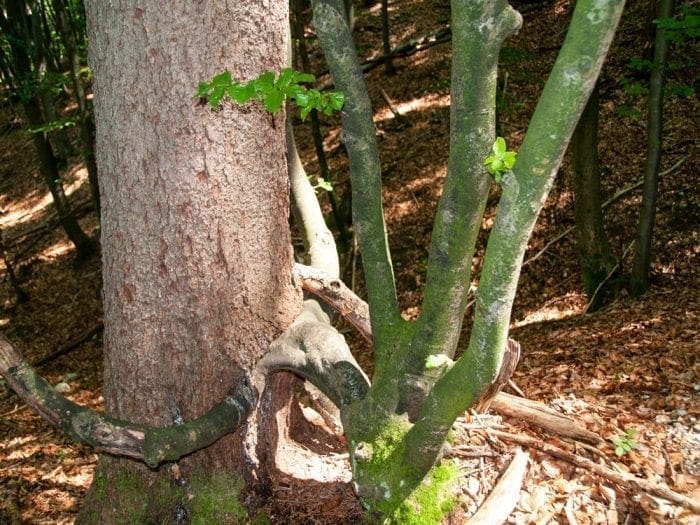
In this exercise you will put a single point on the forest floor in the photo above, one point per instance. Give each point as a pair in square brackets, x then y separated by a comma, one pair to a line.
[630, 368]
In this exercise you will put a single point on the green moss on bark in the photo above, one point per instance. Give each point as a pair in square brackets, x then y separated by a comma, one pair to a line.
[216, 498]
[387, 484]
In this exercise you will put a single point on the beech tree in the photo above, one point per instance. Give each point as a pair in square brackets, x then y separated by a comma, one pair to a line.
[202, 301]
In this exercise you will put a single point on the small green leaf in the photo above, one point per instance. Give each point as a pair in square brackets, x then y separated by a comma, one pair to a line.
[263, 83]
[499, 147]
[222, 79]
[302, 100]
[501, 161]
[285, 78]
[325, 184]
[240, 93]
[337, 100]
[303, 78]
[203, 90]
[216, 95]
[274, 100]
[437, 360]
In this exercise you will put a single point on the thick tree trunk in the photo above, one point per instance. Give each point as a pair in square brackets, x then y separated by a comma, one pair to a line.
[196, 247]
[594, 252]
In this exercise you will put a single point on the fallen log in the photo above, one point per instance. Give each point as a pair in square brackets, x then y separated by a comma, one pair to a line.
[540, 415]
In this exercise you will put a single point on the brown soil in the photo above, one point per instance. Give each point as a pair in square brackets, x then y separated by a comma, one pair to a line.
[631, 365]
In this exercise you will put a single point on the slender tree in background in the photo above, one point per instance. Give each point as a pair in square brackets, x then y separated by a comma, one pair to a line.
[14, 22]
[639, 279]
[302, 63]
[386, 39]
[197, 258]
[70, 25]
[595, 257]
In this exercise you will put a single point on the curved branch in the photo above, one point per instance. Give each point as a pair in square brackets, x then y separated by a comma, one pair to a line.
[315, 350]
[310, 347]
[153, 445]
[318, 238]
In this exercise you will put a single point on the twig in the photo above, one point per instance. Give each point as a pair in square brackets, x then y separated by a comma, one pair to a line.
[334, 293]
[405, 49]
[542, 416]
[401, 119]
[515, 387]
[622, 479]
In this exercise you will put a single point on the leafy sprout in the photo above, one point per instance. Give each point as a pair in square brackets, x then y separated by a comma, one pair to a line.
[501, 160]
[272, 92]
[625, 443]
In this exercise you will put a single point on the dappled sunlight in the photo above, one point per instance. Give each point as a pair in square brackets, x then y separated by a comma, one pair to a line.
[568, 305]
[410, 202]
[429, 101]
[22, 211]
[59, 249]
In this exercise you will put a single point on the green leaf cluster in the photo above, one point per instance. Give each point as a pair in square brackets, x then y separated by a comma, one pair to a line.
[684, 29]
[272, 92]
[625, 443]
[501, 160]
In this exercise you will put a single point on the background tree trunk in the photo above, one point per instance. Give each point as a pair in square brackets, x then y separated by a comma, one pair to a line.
[639, 280]
[196, 247]
[592, 242]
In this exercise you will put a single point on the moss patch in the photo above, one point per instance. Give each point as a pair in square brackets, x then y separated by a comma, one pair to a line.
[216, 499]
[432, 500]
[385, 480]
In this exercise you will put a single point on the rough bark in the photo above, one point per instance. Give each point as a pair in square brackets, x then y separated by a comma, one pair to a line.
[595, 257]
[196, 247]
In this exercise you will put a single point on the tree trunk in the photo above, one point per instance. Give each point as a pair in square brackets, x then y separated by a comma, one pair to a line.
[196, 247]
[48, 165]
[386, 39]
[642, 254]
[593, 249]
[87, 125]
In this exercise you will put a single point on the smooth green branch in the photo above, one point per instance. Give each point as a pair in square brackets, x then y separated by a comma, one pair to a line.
[272, 92]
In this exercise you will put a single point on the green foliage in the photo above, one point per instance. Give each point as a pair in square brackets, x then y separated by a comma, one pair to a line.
[324, 184]
[272, 92]
[54, 125]
[501, 161]
[437, 360]
[625, 443]
[681, 30]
